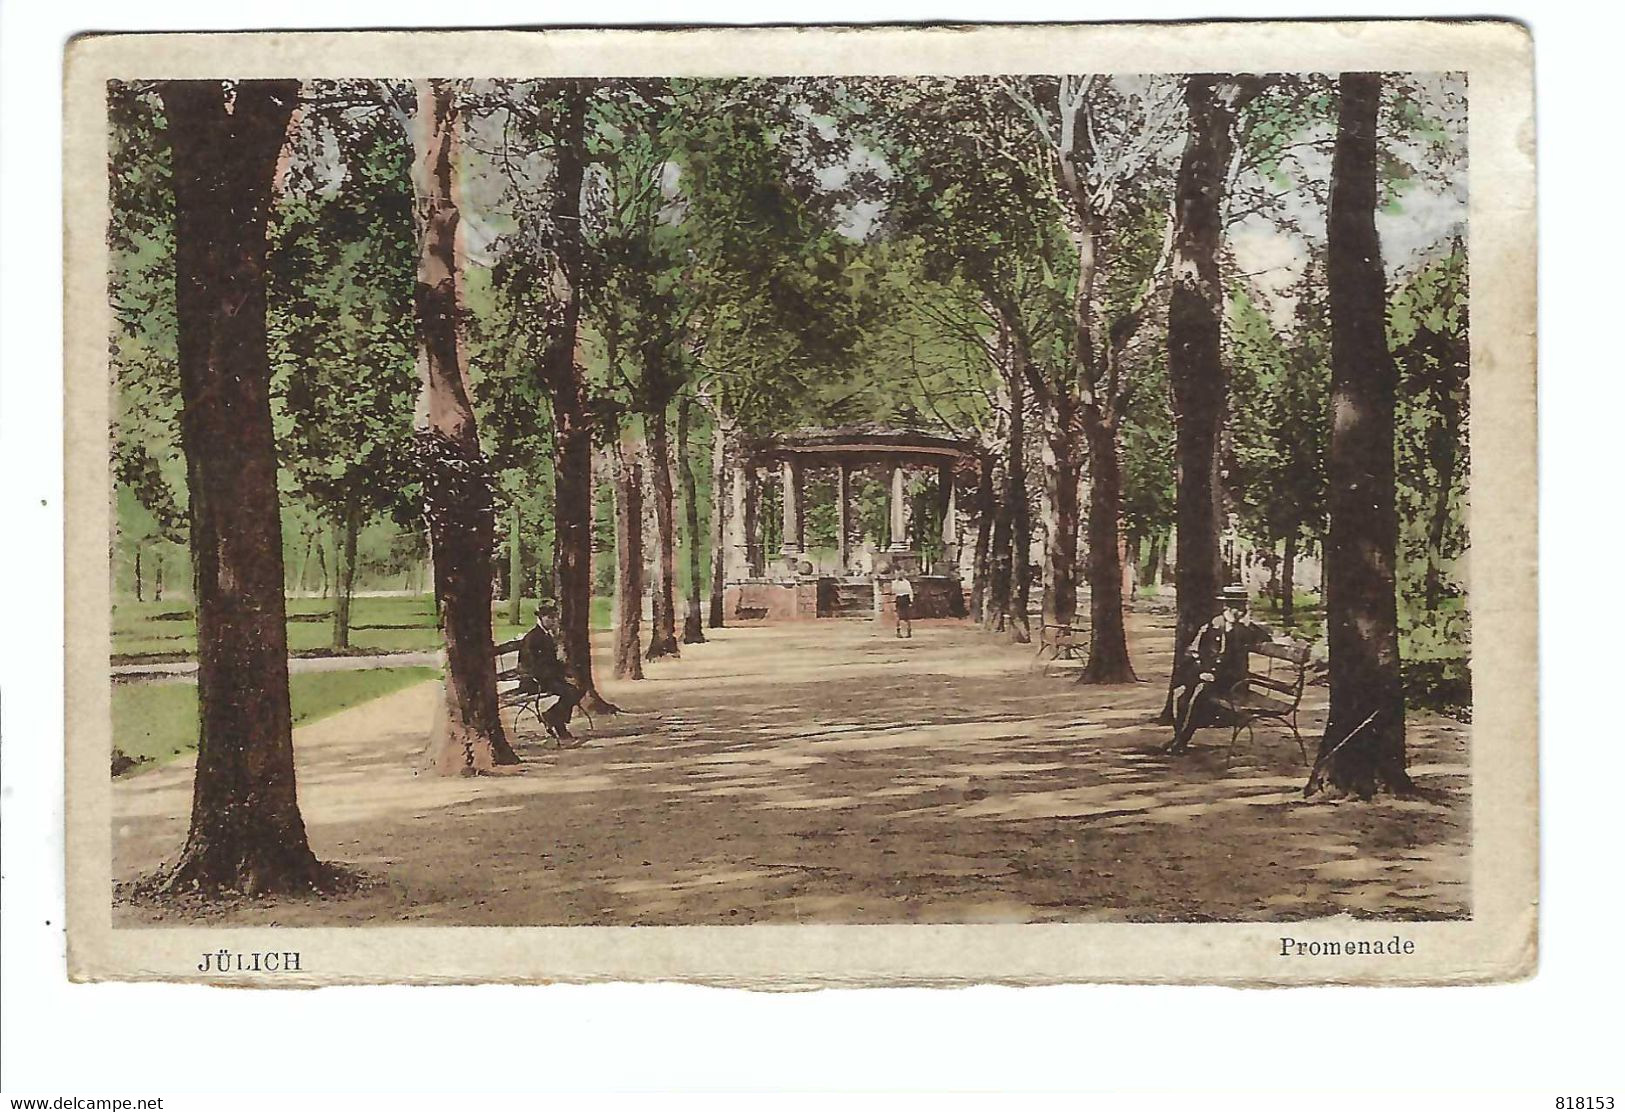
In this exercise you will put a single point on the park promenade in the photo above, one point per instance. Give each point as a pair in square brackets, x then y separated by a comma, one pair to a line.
[826, 772]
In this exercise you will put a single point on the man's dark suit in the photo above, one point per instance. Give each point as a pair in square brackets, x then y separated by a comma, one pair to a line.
[542, 671]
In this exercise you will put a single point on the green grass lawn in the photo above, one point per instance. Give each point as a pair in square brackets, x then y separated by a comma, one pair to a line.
[157, 722]
[394, 624]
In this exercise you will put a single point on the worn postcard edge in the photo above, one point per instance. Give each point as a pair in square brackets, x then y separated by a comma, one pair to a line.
[1497, 944]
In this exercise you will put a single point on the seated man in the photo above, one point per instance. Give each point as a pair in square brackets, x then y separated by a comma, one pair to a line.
[1211, 666]
[542, 672]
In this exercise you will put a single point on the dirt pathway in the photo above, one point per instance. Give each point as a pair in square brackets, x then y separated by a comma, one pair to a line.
[819, 772]
[176, 671]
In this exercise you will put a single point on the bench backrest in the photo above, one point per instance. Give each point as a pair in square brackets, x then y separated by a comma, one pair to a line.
[1293, 652]
[1287, 681]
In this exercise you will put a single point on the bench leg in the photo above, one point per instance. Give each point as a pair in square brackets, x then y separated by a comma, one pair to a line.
[1235, 732]
[1297, 737]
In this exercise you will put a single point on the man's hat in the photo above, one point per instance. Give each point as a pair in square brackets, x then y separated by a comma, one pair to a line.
[1234, 595]
[546, 608]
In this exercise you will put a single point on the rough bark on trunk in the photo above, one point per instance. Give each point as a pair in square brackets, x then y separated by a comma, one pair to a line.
[566, 385]
[628, 555]
[1015, 494]
[663, 604]
[1196, 370]
[246, 832]
[1155, 558]
[1087, 406]
[720, 512]
[999, 582]
[1363, 749]
[344, 544]
[1062, 471]
[467, 735]
[1108, 639]
[984, 538]
[693, 620]
[1289, 572]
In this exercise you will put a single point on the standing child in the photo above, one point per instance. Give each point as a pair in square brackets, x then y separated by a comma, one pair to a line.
[903, 593]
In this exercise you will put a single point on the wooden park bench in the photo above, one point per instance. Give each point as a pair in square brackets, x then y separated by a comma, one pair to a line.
[1271, 692]
[1062, 642]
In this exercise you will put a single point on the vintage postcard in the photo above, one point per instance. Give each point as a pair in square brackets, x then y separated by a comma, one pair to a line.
[793, 507]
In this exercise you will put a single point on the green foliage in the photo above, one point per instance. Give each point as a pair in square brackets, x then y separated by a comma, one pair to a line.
[147, 462]
[971, 190]
[1147, 448]
[1279, 416]
[763, 185]
[1428, 334]
[801, 251]
[1424, 137]
[341, 333]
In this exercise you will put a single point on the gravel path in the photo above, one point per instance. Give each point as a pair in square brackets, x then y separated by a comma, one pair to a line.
[826, 772]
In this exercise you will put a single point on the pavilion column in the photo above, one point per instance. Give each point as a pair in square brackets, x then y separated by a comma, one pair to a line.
[950, 517]
[791, 474]
[843, 516]
[751, 518]
[899, 510]
[737, 558]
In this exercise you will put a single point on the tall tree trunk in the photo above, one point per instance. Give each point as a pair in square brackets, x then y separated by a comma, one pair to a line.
[1289, 572]
[1363, 749]
[572, 552]
[984, 538]
[663, 603]
[628, 554]
[1196, 370]
[344, 543]
[516, 563]
[246, 832]
[158, 572]
[304, 566]
[467, 736]
[138, 597]
[999, 582]
[565, 382]
[755, 546]
[1015, 495]
[720, 512]
[693, 620]
[321, 565]
[1108, 639]
[1062, 470]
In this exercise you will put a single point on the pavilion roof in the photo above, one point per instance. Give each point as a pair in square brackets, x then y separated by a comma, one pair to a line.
[869, 439]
